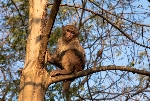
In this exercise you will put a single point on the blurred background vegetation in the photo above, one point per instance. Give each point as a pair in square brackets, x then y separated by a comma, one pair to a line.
[130, 16]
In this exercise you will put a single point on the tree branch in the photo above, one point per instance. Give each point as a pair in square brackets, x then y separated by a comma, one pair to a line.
[117, 15]
[22, 20]
[97, 69]
[101, 15]
[48, 28]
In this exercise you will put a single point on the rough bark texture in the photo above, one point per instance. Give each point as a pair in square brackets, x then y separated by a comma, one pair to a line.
[34, 79]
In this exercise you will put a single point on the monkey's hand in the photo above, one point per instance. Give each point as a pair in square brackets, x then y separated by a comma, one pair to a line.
[62, 72]
[55, 72]
[47, 56]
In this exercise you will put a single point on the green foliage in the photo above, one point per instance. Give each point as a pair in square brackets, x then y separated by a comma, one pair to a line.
[54, 92]
[54, 37]
[118, 50]
[12, 45]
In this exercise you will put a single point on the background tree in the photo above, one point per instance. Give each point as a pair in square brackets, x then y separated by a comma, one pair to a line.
[114, 34]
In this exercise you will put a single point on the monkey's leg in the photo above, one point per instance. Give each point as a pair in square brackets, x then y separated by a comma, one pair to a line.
[67, 66]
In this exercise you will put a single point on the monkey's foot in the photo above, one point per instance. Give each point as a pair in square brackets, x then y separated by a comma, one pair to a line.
[55, 72]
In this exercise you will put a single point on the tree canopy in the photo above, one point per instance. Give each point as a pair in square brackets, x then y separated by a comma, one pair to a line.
[114, 33]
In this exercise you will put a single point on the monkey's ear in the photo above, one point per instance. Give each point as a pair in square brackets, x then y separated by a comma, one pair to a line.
[63, 27]
[77, 32]
[63, 30]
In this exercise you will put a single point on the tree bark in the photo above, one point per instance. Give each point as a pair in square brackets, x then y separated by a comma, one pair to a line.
[34, 79]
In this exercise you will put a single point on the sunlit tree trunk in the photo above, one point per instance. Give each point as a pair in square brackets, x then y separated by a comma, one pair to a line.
[33, 79]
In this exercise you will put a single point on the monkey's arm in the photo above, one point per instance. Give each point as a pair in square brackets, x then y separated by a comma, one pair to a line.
[53, 59]
[70, 61]
[67, 66]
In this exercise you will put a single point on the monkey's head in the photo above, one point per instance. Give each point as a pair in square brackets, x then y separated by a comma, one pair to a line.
[69, 32]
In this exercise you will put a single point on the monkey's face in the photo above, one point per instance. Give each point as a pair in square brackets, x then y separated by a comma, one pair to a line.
[69, 32]
[69, 35]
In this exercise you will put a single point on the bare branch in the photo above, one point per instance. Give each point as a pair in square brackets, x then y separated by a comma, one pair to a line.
[97, 69]
[48, 28]
[101, 15]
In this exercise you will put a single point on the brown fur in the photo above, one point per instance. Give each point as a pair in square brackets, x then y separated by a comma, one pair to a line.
[69, 55]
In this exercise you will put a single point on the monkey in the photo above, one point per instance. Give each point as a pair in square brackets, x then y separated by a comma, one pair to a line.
[69, 55]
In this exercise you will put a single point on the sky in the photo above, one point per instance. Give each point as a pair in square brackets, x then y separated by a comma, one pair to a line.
[145, 5]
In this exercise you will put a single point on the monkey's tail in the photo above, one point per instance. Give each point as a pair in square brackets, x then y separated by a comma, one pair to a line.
[66, 86]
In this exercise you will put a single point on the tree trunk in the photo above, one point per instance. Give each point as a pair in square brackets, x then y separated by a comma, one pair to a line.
[33, 79]
[33, 83]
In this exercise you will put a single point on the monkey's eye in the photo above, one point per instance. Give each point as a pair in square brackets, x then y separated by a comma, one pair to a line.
[72, 32]
[68, 30]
